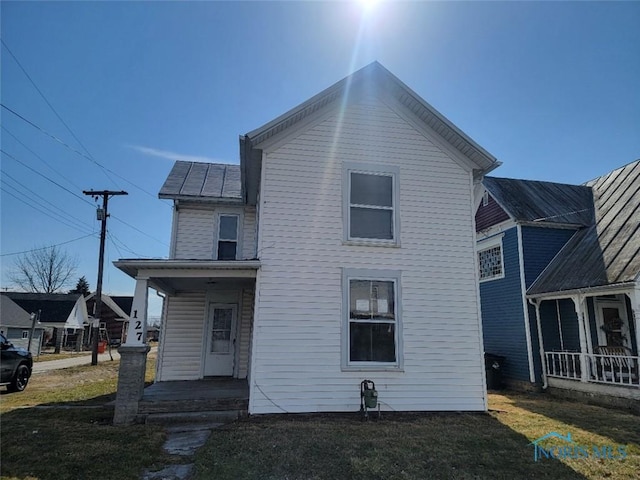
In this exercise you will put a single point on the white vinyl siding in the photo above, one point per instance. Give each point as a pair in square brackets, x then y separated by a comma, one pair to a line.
[182, 356]
[197, 234]
[297, 349]
[244, 331]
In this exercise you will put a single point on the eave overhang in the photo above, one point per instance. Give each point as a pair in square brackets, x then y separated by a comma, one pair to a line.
[158, 268]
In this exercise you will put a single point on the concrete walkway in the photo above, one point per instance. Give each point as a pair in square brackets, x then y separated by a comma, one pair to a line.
[80, 359]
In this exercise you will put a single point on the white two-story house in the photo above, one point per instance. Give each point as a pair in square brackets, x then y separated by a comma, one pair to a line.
[342, 248]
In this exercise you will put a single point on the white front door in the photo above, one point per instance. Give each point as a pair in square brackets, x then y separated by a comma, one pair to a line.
[613, 327]
[221, 340]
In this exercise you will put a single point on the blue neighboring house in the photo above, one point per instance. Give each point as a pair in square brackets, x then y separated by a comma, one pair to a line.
[559, 269]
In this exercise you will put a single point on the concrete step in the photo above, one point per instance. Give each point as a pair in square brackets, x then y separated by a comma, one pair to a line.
[194, 405]
[203, 418]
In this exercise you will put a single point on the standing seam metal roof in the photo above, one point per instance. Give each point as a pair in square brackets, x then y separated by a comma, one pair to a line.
[534, 201]
[607, 252]
[202, 181]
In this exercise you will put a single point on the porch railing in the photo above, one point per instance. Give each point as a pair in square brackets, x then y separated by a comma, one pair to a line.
[621, 370]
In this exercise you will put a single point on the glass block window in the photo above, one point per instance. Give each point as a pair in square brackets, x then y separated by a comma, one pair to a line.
[490, 263]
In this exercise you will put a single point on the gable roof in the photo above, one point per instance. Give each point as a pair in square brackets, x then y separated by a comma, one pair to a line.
[54, 307]
[202, 182]
[544, 202]
[120, 306]
[125, 303]
[371, 77]
[608, 252]
[12, 315]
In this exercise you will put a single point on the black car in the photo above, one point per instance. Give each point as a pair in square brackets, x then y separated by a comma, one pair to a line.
[16, 364]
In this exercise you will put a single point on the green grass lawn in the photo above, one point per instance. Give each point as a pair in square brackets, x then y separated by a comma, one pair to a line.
[59, 428]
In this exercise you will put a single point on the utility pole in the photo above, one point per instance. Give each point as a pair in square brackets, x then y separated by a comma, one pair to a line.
[35, 317]
[97, 313]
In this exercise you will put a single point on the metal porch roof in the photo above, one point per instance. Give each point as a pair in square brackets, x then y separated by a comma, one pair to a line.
[607, 252]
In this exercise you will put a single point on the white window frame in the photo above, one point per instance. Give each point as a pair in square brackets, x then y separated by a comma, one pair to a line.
[485, 245]
[394, 276]
[238, 231]
[370, 169]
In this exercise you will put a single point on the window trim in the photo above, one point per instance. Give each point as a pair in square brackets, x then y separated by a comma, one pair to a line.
[370, 169]
[394, 276]
[488, 244]
[238, 231]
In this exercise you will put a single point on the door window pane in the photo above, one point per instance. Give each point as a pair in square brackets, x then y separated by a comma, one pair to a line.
[221, 331]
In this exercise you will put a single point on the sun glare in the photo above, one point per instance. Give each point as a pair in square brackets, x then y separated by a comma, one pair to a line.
[369, 5]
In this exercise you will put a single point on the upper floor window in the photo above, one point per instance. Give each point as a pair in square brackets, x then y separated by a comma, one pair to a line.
[371, 204]
[227, 237]
[490, 259]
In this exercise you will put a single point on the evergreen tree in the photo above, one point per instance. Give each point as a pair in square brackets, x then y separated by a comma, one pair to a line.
[81, 287]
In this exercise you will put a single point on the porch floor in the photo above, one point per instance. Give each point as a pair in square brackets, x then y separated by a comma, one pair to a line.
[209, 394]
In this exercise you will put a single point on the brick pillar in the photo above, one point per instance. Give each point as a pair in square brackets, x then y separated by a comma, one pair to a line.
[133, 363]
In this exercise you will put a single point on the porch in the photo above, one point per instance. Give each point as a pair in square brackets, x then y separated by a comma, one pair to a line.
[607, 369]
[589, 343]
[215, 396]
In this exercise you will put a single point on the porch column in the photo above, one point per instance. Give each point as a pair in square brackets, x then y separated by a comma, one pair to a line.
[543, 360]
[634, 296]
[579, 307]
[133, 358]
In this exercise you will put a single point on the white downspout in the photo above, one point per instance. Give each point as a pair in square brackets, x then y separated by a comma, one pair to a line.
[543, 361]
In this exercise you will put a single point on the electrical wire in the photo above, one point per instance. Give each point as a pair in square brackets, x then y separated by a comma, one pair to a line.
[82, 198]
[49, 246]
[60, 212]
[47, 178]
[77, 152]
[37, 207]
[138, 230]
[41, 159]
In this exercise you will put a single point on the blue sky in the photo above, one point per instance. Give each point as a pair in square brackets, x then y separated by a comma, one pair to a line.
[550, 89]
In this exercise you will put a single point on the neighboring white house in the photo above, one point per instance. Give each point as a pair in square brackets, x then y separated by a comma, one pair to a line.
[16, 325]
[63, 314]
[341, 248]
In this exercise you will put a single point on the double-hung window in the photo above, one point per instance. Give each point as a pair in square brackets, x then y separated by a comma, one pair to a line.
[371, 194]
[372, 324]
[227, 248]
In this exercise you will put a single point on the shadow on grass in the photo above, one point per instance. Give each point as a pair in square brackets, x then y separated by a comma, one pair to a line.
[77, 443]
[618, 425]
[447, 445]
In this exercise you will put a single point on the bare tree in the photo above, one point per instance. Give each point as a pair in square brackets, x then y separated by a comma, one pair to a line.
[44, 270]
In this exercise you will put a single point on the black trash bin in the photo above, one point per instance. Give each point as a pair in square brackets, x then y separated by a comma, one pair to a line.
[493, 365]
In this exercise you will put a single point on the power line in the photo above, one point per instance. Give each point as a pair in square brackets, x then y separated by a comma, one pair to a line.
[40, 158]
[138, 230]
[80, 222]
[47, 178]
[83, 155]
[81, 198]
[49, 246]
[49, 103]
[52, 215]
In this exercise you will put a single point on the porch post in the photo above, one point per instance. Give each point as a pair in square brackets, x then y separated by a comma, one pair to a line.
[133, 358]
[578, 304]
[634, 296]
[543, 359]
